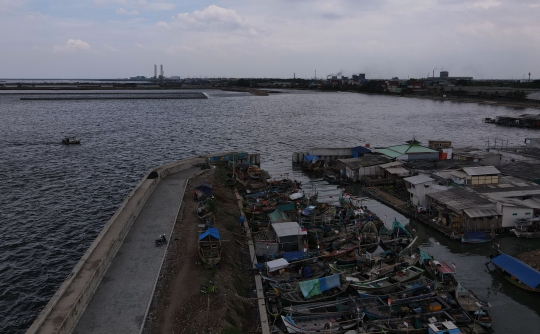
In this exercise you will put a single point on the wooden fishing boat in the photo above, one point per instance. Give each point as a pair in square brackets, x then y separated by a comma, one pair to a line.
[415, 324]
[284, 286]
[296, 297]
[440, 271]
[334, 307]
[296, 272]
[419, 306]
[475, 308]
[273, 304]
[516, 272]
[391, 279]
[210, 246]
[320, 323]
[462, 318]
[420, 286]
[476, 237]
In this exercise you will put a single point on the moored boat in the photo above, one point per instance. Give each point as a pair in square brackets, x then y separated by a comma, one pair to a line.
[317, 290]
[475, 308]
[210, 246]
[516, 272]
[527, 228]
[417, 324]
[321, 323]
[273, 304]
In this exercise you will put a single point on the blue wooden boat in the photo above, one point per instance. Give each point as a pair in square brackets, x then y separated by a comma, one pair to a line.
[516, 272]
[475, 237]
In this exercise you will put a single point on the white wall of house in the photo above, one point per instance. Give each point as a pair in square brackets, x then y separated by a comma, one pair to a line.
[418, 192]
[370, 170]
[512, 213]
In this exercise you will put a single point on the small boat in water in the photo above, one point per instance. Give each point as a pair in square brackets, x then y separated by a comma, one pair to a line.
[516, 272]
[70, 140]
[475, 308]
[527, 228]
[476, 237]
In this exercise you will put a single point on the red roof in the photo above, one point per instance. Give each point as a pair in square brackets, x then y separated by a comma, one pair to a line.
[443, 268]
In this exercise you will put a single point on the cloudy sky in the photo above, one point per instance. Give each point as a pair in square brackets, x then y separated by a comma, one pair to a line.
[273, 38]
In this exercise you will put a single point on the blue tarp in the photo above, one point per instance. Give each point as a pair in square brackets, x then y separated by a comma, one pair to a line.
[293, 256]
[518, 269]
[211, 231]
[311, 158]
[330, 282]
[476, 235]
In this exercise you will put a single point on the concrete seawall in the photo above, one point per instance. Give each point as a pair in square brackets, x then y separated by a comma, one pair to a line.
[69, 302]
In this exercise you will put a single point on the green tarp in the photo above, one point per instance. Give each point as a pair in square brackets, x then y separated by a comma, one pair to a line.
[278, 216]
[310, 288]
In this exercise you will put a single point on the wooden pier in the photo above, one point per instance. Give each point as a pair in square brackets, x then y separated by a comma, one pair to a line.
[410, 212]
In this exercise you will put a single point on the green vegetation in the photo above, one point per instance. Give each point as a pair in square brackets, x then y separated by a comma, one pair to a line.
[230, 319]
[241, 286]
[231, 330]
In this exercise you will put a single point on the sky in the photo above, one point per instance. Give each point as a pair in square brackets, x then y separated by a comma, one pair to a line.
[269, 39]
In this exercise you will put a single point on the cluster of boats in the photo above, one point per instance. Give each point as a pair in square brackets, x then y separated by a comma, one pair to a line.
[340, 269]
[411, 294]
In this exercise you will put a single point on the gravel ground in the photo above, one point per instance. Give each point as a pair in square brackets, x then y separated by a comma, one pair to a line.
[178, 305]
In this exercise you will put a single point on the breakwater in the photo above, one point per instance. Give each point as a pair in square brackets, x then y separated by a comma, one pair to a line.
[138, 96]
[66, 306]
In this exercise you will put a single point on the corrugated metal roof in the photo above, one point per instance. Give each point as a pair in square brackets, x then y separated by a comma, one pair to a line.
[398, 171]
[288, 229]
[482, 212]
[365, 161]
[392, 164]
[389, 153]
[458, 199]
[404, 149]
[418, 179]
[483, 170]
[459, 174]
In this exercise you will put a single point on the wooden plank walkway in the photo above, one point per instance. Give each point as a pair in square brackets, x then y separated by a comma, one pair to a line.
[401, 207]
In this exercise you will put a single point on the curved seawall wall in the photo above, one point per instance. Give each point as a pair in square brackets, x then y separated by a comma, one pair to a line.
[69, 302]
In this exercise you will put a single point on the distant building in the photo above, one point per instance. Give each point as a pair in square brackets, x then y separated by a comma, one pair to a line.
[444, 74]
[410, 151]
[362, 76]
[419, 186]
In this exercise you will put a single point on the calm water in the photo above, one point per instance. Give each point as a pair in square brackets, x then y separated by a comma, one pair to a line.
[55, 199]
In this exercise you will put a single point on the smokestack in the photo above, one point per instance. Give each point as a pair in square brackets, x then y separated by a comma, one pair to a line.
[161, 71]
[155, 72]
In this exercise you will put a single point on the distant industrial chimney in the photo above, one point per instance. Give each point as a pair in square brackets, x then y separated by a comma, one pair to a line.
[155, 72]
[161, 72]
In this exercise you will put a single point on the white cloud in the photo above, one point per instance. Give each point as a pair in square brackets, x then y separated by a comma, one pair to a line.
[155, 5]
[163, 24]
[72, 45]
[122, 11]
[111, 48]
[486, 4]
[217, 19]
